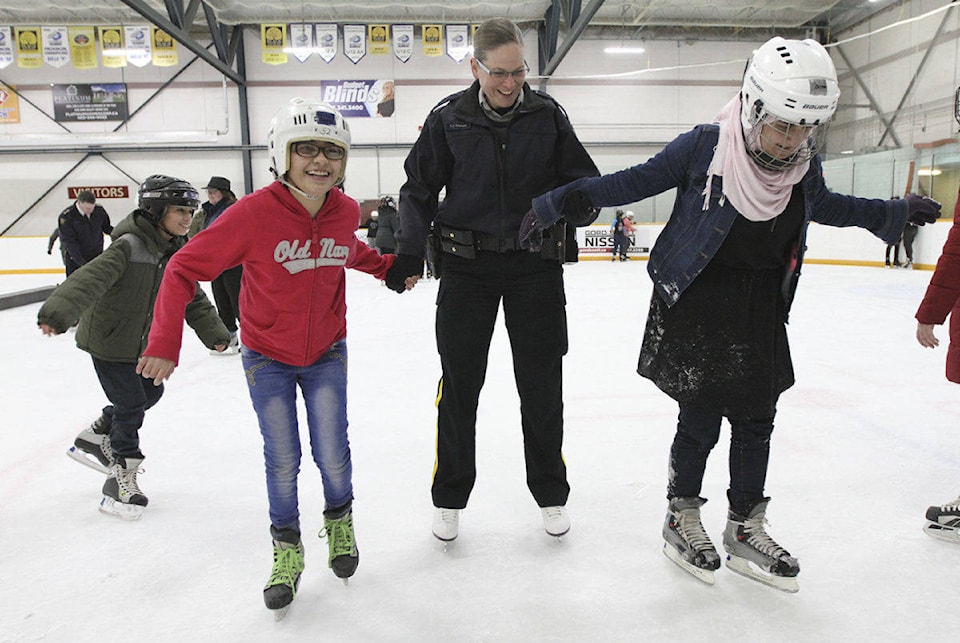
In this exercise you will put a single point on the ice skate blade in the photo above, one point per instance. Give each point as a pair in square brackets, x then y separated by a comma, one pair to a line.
[280, 612]
[942, 532]
[121, 510]
[747, 569]
[86, 459]
[702, 575]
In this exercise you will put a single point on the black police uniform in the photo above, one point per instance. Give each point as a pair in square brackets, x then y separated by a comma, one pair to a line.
[491, 171]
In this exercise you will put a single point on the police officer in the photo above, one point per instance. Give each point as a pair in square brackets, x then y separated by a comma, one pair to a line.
[493, 147]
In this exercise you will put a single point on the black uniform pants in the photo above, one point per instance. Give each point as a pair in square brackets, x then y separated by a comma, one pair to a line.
[534, 308]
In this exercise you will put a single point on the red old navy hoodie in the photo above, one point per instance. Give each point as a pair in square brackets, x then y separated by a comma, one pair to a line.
[292, 304]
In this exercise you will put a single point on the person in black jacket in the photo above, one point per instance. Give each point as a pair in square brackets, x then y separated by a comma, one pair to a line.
[81, 228]
[226, 287]
[493, 147]
[387, 224]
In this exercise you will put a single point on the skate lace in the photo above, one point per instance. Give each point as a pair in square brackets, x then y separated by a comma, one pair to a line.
[339, 534]
[693, 532]
[449, 516]
[287, 563]
[759, 539]
[953, 506]
[127, 481]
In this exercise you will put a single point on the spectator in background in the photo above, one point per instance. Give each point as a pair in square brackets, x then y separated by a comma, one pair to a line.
[81, 228]
[225, 287]
[909, 234]
[373, 225]
[389, 222]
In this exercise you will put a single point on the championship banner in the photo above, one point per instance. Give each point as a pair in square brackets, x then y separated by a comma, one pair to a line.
[79, 103]
[354, 42]
[457, 46]
[111, 38]
[28, 48]
[9, 105]
[164, 48]
[301, 41]
[359, 98]
[273, 38]
[83, 47]
[139, 50]
[432, 40]
[6, 47]
[403, 42]
[56, 51]
[379, 39]
[327, 37]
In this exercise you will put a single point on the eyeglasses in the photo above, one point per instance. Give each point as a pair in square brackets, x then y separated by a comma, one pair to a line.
[499, 74]
[310, 150]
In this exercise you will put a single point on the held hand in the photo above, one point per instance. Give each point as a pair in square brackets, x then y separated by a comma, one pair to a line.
[404, 268]
[220, 348]
[155, 368]
[531, 232]
[922, 209]
[926, 337]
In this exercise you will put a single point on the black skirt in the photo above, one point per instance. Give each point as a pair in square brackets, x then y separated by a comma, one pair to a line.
[723, 345]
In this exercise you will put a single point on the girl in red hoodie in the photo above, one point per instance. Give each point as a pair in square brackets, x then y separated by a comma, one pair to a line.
[943, 298]
[294, 238]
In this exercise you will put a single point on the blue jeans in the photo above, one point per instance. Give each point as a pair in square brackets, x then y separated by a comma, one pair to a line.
[698, 431]
[130, 396]
[273, 390]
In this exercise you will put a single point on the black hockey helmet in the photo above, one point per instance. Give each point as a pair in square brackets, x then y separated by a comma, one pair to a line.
[159, 191]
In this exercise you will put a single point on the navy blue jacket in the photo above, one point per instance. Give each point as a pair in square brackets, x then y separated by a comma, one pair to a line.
[81, 237]
[491, 172]
[692, 236]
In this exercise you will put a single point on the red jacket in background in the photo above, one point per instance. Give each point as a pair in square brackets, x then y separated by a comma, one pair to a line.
[292, 295]
[943, 295]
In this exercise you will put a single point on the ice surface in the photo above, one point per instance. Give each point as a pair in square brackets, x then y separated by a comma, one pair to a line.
[864, 442]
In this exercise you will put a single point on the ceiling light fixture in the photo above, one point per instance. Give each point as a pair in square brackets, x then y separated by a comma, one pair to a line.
[623, 50]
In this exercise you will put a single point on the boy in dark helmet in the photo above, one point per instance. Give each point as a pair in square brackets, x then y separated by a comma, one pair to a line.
[112, 297]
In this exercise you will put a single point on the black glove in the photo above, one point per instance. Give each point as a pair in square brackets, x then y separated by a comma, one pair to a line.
[404, 266]
[921, 209]
[531, 232]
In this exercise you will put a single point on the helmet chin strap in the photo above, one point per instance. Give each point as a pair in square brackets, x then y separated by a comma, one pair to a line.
[291, 186]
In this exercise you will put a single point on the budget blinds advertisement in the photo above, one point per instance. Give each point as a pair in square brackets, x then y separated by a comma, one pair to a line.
[85, 103]
[359, 98]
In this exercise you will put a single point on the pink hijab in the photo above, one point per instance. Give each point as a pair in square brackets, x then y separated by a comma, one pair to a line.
[757, 193]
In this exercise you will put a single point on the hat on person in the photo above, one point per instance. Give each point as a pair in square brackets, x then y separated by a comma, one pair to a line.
[218, 183]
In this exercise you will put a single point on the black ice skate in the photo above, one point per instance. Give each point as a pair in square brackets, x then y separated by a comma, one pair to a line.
[943, 522]
[92, 446]
[751, 552]
[281, 589]
[121, 493]
[686, 542]
[338, 530]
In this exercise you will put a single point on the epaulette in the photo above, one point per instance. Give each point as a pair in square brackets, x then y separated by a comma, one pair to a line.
[446, 101]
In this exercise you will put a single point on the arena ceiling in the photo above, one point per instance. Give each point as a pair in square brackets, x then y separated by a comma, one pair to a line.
[712, 18]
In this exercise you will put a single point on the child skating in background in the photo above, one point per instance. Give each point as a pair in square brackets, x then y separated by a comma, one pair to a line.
[112, 297]
[941, 299]
[294, 239]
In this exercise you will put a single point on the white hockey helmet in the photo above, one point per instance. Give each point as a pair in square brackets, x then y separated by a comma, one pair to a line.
[304, 119]
[794, 82]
